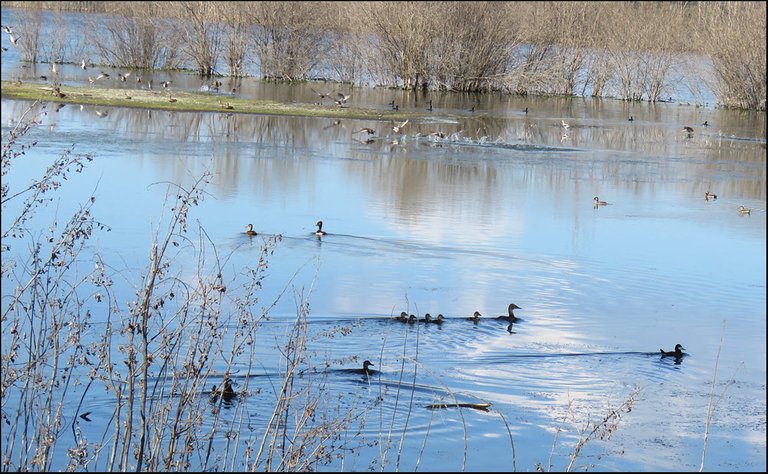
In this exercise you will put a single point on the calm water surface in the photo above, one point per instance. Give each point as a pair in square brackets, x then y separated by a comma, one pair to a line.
[500, 211]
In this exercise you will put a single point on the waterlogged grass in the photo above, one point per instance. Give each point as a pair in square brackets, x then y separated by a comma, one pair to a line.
[187, 102]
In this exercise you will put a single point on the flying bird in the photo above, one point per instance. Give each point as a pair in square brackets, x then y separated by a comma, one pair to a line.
[397, 128]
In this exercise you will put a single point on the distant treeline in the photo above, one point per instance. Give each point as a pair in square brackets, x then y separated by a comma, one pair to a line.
[628, 50]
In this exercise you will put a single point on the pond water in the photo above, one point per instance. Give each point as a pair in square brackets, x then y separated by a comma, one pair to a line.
[499, 211]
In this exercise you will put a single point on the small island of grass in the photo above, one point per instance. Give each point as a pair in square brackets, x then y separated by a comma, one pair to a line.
[187, 102]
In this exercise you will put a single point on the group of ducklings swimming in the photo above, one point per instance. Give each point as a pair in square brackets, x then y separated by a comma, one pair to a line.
[411, 319]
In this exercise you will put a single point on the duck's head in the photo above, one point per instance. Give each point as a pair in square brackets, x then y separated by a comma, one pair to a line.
[440, 318]
[679, 348]
[367, 364]
[249, 228]
[319, 225]
[513, 306]
[476, 314]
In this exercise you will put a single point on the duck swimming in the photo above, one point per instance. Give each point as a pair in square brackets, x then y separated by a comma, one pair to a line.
[709, 196]
[744, 210]
[426, 319]
[226, 392]
[598, 202]
[511, 317]
[475, 317]
[439, 319]
[677, 353]
[320, 230]
[403, 318]
[365, 370]
[249, 230]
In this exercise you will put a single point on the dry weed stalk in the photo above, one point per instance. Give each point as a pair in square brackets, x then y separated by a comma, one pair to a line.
[588, 430]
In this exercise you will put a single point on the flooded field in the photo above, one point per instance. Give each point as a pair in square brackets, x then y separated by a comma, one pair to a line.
[481, 202]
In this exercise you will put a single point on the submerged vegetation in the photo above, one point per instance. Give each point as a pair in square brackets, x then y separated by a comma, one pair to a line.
[599, 49]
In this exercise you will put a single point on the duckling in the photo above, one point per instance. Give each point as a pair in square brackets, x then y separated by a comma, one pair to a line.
[744, 210]
[249, 230]
[426, 319]
[320, 230]
[598, 202]
[677, 353]
[438, 320]
[511, 317]
[475, 317]
[709, 196]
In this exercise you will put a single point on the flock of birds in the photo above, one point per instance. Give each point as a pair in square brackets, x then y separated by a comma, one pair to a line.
[510, 317]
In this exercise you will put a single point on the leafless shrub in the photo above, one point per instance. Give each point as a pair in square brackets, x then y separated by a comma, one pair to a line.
[471, 46]
[133, 36]
[289, 38]
[45, 316]
[27, 32]
[200, 31]
[589, 430]
[733, 35]
[236, 25]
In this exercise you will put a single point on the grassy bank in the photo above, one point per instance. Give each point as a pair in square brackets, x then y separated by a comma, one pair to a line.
[187, 102]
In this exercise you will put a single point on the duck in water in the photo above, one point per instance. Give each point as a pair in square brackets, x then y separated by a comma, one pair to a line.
[320, 230]
[226, 391]
[249, 230]
[511, 317]
[677, 353]
[438, 320]
[365, 370]
[475, 317]
[598, 202]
